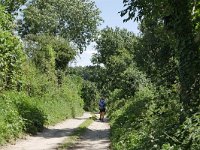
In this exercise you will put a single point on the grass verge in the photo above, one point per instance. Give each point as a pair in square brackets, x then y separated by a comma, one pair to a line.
[72, 139]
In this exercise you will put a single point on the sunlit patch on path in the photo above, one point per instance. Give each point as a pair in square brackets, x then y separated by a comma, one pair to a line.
[95, 138]
[51, 137]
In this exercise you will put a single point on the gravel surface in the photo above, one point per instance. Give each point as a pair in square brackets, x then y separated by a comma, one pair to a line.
[50, 138]
[95, 138]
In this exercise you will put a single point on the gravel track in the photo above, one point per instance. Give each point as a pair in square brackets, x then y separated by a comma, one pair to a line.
[95, 138]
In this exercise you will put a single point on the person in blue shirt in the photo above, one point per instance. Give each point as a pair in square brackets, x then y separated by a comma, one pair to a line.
[102, 108]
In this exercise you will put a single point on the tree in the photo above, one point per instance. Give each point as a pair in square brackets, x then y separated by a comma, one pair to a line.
[177, 16]
[115, 48]
[12, 5]
[112, 42]
[156, 53]
[5, 20]
[11, 54]
[40, 51]
[73, 20]
[48, 52]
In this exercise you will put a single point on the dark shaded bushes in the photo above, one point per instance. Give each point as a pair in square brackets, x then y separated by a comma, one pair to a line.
[22, 113]
[90, 95]
[152, 120]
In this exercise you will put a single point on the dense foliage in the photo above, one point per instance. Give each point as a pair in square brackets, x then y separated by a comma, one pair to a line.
[42, 104]
[11, 58]
[180, 18]
[12, 6]
[114, 49]
[161, 111]
[91, 81]
[11, 53]
[74, 20]
[152, 82]
[35, 88]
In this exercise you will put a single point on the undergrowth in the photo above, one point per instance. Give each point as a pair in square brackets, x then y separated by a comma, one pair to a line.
[21, 113]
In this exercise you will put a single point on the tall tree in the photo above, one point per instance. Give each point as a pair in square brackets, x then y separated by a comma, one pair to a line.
[156, 52]
[48, 52]
[74, 20]
[177, 16]
[115, 49]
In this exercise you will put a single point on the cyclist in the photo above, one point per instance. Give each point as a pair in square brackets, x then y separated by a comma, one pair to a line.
[102, 108]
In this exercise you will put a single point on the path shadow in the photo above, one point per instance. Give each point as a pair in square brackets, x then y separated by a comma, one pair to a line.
[54, 133]
[91, 137]
[81, 118]
[94, 135]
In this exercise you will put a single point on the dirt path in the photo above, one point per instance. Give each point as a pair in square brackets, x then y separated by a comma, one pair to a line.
[96, 136]
[50, 138]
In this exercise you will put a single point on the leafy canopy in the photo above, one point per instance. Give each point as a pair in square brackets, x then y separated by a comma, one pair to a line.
[12, 5]
[74, 20]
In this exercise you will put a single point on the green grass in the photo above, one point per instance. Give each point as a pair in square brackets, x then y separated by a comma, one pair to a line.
[72, 139]
[21, 113]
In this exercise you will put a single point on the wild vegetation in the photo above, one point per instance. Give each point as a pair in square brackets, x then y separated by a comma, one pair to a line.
[151, 81]
[37, 42]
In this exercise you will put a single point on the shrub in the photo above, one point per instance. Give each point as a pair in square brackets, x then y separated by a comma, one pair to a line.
[148, 120]
[11, 123]
[90, 95]
[11, 58]
[127, 120]
[21, 113]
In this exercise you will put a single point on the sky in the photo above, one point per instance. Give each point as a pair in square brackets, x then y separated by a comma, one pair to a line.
[109, 12]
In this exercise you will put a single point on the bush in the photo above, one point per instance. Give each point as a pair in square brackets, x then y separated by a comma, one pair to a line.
[22, 109]
[127, 117]
[11, 123]
[90, 95]
[189, 133]
[34, 118]
[65, 101]
[148, 120]
[11, 58]
[21, 113]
